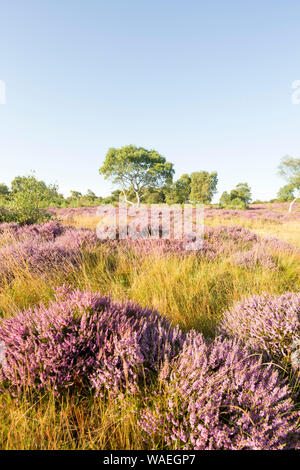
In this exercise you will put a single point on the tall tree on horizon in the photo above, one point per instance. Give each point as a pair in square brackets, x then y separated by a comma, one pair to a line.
[289, 169]
[136, 168]
[179, 191]
[203, 186]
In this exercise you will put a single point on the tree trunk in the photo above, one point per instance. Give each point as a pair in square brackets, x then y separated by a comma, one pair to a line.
[125, 197]
[138, 198]
[291, 204]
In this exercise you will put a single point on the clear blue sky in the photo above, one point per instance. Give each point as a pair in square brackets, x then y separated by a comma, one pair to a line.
[207, 84]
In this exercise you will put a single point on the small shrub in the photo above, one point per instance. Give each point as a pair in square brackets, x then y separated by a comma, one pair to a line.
[217, 396]
[38, 258]
[83, 340]
[41, 248]
[255, 257]
[267, 324]
[26, 203]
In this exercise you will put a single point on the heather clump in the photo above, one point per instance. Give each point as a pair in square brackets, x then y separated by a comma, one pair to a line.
[278, 245]
[217, 396]
[10, 227]
[268, 324]
[164, 247]
[275, 213]
[255, 257]
[83, 341]
[78, 239]
[36, 258]
[225, 240]
[270, 213]
[239, 245]
[52, 231]
[234, 233]
[42, 248]
[48, 231]
[217, 241]
[244, 247]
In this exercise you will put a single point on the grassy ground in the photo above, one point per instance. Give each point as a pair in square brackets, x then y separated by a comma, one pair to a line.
[287, 231]
[191, 292]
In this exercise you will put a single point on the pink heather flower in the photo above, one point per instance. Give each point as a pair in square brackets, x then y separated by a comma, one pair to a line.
[268, 324]
[82, 340]
[257, 256]
[218, 396]
[41, 248]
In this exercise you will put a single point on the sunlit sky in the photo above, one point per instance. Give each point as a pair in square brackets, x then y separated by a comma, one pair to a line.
[206, 84]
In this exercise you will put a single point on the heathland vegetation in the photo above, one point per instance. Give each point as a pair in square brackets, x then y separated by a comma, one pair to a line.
[140, 343]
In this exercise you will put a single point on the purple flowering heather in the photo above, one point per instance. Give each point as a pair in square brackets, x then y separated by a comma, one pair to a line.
[255, 257]
[70, 237]
[279, 245]
[257, 212]
[274, 213]
[218, 241]
[268, 324]
[47, 231]
[217, 396]
[239, 245]
[38, 258]
[78, 239]
[41, 248]
[84, 340]
[232, 232]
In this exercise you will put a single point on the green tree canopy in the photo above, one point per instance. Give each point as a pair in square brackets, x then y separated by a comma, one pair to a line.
[238, 198]
[136, 168]
[241, 191]
[75, 194]
[4, 192]
[286, 193]
[225, 199]
[179, 192]
[203, 186]
[154, 195]
[289, 169]
[49, 194]
[90, 194]
[27, 200]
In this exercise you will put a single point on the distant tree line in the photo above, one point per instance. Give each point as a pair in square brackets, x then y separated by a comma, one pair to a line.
[141, 176]
[28, 198]
[289, 169]
[145, 176]
[238, 198]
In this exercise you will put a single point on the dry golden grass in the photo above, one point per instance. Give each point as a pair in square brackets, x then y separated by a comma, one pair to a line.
[82, 221]
[46, 423]
[287, 231]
